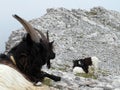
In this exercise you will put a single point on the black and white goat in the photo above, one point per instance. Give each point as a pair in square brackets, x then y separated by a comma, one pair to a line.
[28, 57]
[85, 65]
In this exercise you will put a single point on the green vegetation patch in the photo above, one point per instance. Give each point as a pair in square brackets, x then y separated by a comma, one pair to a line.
[47, 82]
[89, 75]
[93, 75]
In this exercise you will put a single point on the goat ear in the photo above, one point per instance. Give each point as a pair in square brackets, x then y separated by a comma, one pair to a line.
[51, 44]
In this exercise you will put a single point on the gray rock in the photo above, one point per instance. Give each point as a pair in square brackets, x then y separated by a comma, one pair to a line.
[117, 89]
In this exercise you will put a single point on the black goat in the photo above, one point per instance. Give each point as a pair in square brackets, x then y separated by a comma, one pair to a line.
[31, 54]
[85, 65]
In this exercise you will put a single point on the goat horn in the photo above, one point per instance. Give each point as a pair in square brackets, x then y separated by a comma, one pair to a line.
[28, 28]
[43, 36]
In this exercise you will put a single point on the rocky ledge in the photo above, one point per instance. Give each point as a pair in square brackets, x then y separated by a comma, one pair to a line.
[77, 34]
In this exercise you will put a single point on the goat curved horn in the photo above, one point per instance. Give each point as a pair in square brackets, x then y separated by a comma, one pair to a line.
[43, 36]
[28, 28]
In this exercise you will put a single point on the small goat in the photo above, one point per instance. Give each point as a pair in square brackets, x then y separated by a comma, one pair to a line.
[84, 65]
[31, 54]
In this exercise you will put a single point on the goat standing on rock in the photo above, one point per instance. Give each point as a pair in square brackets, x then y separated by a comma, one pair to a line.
[85, 65]
[30, 54]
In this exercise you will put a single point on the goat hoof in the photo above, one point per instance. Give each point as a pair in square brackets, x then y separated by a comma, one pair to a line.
[38, 84]
[57, 79]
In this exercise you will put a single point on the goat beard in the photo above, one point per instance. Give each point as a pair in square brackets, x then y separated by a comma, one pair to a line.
[48, 64]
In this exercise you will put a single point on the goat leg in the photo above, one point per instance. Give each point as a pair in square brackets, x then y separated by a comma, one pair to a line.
[53, 77]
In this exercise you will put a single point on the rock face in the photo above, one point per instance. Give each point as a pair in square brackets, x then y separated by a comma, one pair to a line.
[77, 34]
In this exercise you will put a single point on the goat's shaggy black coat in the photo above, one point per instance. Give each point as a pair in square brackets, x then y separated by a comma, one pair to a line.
[31, 54]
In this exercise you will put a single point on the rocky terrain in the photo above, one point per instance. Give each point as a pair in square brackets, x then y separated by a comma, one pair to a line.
[77, 34]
